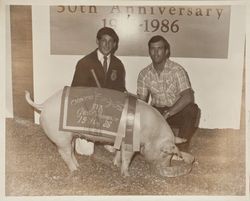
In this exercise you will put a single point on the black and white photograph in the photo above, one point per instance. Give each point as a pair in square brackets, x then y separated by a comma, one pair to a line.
[123, 99]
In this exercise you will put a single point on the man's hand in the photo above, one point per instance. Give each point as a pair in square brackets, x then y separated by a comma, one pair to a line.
[187, 97]
[166, 114]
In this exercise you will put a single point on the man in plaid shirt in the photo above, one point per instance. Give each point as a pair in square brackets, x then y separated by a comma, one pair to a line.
[169, 87]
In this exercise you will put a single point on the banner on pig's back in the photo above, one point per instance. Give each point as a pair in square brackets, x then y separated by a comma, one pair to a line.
[96, 111]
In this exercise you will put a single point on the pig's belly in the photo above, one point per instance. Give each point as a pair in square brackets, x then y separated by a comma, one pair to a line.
[94, 138]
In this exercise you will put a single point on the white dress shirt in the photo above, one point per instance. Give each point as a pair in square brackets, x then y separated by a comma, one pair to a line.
[101, 58]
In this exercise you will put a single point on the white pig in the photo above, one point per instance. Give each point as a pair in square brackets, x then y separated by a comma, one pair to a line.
[157, 140]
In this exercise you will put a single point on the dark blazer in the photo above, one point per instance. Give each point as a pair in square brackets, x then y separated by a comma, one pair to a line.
[114, 79]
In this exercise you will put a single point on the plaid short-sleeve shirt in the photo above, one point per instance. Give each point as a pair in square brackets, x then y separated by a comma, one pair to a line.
[165, 88]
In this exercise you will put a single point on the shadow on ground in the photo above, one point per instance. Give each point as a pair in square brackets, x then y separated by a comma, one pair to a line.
[34, 167]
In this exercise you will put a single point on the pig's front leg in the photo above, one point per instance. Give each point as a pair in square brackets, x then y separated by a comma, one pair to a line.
[73, 152]
[126, 159]
[117, 159]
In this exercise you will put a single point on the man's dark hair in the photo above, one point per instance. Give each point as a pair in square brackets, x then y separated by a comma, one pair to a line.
[158, 38]
[107, 31]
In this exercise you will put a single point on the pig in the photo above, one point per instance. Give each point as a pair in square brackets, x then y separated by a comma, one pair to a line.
[157, 140]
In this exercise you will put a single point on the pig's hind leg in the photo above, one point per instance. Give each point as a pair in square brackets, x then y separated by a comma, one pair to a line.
[63, 141]
[67, 153]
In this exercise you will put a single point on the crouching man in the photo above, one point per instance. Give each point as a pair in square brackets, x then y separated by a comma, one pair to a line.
[169, 87]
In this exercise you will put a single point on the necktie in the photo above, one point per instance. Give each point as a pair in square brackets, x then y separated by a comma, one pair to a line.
[105, 64]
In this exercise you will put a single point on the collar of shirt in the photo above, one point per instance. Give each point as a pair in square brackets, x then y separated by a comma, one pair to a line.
[101, 58]
[166, 66]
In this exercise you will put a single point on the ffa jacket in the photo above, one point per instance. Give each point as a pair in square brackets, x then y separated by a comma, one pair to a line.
[114, 79]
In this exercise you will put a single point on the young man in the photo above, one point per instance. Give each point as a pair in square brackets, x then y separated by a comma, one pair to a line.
[169, 87]
[108, 69]
[109, 72]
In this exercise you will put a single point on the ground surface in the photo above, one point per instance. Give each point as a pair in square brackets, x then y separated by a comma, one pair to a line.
[34, 167]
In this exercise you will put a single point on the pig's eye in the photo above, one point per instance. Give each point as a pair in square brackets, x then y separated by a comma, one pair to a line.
[165, 155]
[164, 150]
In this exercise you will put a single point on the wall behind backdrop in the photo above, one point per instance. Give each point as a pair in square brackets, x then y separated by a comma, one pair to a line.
[208, 41]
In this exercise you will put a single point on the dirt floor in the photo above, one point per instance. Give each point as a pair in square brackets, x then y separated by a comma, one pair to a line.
[34, 167]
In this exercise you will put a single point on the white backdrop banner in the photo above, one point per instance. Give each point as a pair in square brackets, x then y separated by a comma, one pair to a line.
[193, 31]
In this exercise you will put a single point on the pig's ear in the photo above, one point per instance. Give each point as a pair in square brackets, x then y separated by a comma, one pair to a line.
[179, 140]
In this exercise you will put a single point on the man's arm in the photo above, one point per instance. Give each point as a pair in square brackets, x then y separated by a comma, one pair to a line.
[122, 83]
[142, 91]
[77, 76]
[146, 99]
[81, 75]
[187, 97]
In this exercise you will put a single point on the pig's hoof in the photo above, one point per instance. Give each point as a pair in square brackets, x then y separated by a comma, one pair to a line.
[125, 173]
[117, 162]
[73, 168]
[73, 174]
[76, 164]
